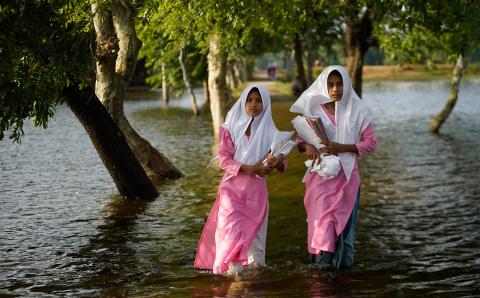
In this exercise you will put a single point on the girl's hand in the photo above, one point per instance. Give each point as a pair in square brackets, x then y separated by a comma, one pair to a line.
[333, 148]
[280, 166]
[311, 152]
[271, 161]
[257, 169]
[262, 170]
[336, 148]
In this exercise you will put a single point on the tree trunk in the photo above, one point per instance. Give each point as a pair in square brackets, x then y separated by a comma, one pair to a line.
[298, 49]
[288, 64]
[115, 28]
[440, 118]
[310, 64]
[111, 145]
[219, 93]
[234, 74]
[240, 70]
[358, 38]
[230, 79]
[186, 81]
[354, 58]
[165, 93]
[249, 67]
[105, 54]
[206, 94]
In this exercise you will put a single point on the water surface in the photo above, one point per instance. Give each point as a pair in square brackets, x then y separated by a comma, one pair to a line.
[64, 232]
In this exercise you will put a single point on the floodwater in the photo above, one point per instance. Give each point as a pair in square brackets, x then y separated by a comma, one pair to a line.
[64, 232]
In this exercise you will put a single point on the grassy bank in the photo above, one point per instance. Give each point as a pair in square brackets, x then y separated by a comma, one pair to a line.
[407, 72]
[414, 72]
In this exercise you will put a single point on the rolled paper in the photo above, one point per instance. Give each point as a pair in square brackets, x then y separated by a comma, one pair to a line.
[286, 148]
[281, 143]
[305, 131]
[317, 125]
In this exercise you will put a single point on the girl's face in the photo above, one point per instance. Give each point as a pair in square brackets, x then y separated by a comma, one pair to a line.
[254, 104]
[335, 87]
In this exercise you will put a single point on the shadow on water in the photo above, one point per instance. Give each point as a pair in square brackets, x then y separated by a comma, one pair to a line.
[107, 262]
[113, 259]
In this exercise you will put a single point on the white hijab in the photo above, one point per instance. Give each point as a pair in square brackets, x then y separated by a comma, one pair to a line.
[351, 114]
[255, 148]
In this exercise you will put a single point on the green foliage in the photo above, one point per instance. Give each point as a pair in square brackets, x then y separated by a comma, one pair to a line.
[432, 30]
[44, 47]
[246, 28]
[416, 46]
[163, 30]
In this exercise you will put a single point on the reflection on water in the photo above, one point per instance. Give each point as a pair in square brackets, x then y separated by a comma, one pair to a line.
[65, 233]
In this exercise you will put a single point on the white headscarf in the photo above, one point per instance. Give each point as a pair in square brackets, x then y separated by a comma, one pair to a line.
[351, 114]
[255, 148]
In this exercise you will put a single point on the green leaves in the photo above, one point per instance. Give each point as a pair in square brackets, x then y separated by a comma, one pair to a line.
[432, 30]
[42, 48]
[168, 26]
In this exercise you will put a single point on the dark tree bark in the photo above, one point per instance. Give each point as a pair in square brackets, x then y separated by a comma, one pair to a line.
[111, 145]
[298, 49]
[310, 65]
[358, 38]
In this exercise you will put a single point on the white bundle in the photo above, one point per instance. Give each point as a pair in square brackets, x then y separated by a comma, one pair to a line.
[329, 166]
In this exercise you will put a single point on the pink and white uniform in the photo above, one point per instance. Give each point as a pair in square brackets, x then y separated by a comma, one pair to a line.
[330, 201]
[235, 231]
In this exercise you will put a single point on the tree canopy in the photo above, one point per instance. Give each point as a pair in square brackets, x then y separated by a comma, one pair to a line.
[39, 57]
[431, 31]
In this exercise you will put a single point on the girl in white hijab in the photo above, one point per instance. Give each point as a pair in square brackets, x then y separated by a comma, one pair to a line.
[331, 203]
[234, 235]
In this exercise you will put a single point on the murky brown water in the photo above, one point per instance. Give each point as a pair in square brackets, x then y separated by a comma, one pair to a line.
[65, 233]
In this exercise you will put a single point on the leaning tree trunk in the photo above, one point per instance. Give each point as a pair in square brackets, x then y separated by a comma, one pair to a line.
[298, 50]
[186, 81]
[358, 38]
[217, 70]
[115, 29]
[110, 143]
[440, 118]
[165, 93]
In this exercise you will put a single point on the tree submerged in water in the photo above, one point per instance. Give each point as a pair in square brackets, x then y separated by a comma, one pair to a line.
[116, 57]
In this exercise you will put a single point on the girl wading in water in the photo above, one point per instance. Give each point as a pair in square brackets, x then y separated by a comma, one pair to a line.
[332, 203]
[234, 235]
